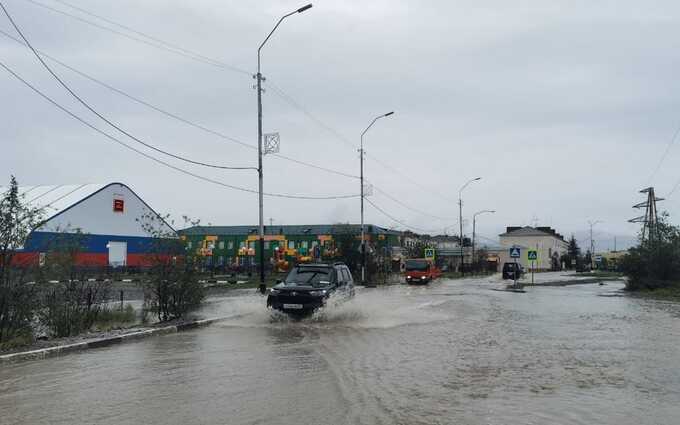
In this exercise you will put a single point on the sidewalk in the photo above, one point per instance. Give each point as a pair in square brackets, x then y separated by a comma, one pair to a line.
[132, 335]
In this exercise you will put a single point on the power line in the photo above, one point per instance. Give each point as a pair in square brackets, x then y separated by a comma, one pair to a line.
[386, 214]
[157, 43]
[408, 207]
[175, 116]
[159, 161]
[665, 154]
[291, 101]
[65, 195]
[102, 117]
[43, 194]
[675, 187]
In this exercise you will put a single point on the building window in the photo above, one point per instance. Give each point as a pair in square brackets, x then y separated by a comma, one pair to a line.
[220, 261]
[304, 244]
[291, 244]
[189, 244]
[266, 244]
[221, 245]
[242, 244]
[230, 245]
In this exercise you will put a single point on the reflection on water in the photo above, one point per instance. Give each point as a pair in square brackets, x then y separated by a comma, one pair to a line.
[451, 352]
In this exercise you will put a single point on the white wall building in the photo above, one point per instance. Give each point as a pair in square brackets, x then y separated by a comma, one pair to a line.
[546, 241]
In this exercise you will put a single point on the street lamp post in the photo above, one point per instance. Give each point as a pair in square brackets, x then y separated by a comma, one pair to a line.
[592, 243]
[474, 225]
[460, 220]
[361, 178]
[259, 143]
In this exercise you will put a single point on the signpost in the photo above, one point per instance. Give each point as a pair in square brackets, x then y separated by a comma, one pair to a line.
[515, 252]
[532, 255]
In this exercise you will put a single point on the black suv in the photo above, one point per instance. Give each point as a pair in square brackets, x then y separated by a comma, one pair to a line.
[512, 269]
[309, 286]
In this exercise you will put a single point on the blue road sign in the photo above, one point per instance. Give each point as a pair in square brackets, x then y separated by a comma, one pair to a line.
[514, 252]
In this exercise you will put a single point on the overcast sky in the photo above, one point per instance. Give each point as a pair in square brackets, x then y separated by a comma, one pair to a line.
[564, 108]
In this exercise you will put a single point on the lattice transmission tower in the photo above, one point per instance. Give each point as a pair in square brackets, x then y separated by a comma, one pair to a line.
[650, 221]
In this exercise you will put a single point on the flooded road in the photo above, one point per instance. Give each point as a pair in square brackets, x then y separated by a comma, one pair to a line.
[452, 352]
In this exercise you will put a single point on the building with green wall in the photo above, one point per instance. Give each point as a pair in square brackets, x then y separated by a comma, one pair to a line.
[224, 246]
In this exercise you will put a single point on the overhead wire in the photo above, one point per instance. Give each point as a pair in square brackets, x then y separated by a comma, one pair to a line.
[176, 116]
[156, 42]
[396, 220]
[423, 213]
[102, 117]
[65, 195]
[159, 43]
[45, 193]
[665, 154]
[276, 89]
[291, 101]
[159, 161]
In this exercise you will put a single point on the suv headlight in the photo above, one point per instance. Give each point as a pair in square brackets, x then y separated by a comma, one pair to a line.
[274, 292]
[423, 277]
[320, 293]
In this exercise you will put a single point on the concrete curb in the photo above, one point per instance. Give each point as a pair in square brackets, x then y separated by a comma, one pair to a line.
[105, 342]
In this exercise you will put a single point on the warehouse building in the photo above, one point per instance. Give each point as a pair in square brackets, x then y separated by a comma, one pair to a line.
[105, 221]
[226, 246]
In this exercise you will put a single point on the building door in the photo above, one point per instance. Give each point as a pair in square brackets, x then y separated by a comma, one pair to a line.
[117, 254]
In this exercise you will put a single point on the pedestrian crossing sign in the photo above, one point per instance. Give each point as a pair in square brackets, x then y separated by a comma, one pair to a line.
[514, 252]
[532, 255]
[429, 253]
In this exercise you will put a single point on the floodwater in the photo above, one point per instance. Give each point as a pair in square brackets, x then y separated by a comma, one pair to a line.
[454, 352]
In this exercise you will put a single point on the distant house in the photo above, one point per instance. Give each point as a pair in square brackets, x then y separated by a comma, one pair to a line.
[549, 244]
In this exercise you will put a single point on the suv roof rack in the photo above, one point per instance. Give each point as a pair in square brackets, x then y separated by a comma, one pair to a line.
[339, 263]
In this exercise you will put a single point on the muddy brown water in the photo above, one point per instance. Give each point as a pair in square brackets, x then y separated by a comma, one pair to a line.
[454, 352]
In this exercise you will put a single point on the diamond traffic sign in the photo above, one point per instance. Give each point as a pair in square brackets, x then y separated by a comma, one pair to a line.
[514, 252]
[532, 255]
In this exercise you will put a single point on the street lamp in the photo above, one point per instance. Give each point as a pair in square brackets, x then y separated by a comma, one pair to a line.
[592, 242]
[363, 233]
[460, 219]
[474, 225]
[259, 142]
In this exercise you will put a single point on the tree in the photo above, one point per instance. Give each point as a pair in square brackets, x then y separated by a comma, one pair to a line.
[17, 297]
[348, 247]
[573, 254]
[655, 262]
[173, 288]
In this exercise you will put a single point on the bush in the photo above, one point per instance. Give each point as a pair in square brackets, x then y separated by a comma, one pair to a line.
[109, 318]
[655, 263]
[172, 288]
[71, 308]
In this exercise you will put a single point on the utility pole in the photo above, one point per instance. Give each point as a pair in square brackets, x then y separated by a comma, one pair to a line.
[361, 178]
[460, 220]
[592, 243]
[474, 225]
[259, 77]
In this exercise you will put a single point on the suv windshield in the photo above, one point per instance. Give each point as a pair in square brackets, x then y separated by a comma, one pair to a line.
[416, 265]
[309, 276]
